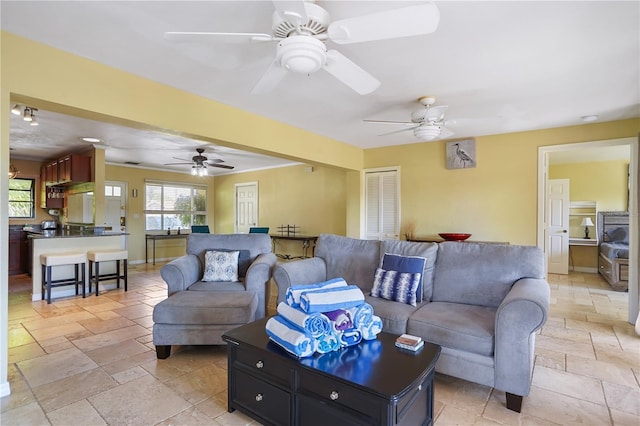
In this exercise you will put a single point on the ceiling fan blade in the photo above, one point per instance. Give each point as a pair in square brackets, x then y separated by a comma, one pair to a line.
[390, 122]
[182, 159]
[292, 11]
[177, 164]
[404, 22]
[270, 79]
[349, 73]
[398, 131]
[194, 36]
[221, 166]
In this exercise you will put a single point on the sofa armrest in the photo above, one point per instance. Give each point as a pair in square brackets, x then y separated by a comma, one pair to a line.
[519, 316]
[257, 280]
[180, 273]
[306, 271]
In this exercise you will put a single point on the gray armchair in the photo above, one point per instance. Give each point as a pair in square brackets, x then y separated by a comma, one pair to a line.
[199, 312]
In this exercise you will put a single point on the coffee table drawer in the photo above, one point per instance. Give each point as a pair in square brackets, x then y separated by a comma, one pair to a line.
[263, 399]
[335, 392]
[264, 363]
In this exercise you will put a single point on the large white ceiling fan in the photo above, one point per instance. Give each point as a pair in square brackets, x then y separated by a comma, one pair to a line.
[301, 28]
[426, 123]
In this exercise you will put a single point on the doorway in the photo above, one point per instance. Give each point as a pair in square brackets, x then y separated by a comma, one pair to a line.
[246, 206]
[544, 154]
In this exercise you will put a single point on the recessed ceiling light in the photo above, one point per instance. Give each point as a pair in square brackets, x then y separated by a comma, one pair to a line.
[92, 140]
[589, 118]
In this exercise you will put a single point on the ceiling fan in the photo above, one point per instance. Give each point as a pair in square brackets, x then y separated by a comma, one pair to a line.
[427, 123]
[199, 163]
[301, 27]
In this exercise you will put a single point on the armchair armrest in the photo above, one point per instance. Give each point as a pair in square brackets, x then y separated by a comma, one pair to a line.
[257, 280]
[518, 317]
[180, 273]
[306, 271]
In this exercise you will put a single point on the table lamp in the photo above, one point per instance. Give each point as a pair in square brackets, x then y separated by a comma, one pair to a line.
[586, 222]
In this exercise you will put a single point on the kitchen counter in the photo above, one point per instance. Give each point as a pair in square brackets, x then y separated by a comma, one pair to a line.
[63, 233]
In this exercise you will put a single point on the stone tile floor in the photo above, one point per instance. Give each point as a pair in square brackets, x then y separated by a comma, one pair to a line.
[92, 362]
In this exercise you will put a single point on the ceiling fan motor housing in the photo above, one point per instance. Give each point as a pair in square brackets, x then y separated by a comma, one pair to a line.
[301, 54]
[317, 22]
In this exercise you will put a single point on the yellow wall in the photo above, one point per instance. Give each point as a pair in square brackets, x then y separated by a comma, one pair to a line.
[313, 200]
[495, 201]
[135, 179]
[605, 182]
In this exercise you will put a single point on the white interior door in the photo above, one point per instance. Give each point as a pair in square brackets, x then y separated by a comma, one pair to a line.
[558, 226]
[246, 206]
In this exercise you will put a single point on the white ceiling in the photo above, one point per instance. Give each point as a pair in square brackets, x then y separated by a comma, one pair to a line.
[499, 66]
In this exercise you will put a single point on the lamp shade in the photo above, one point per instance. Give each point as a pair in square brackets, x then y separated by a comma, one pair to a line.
[587, 222]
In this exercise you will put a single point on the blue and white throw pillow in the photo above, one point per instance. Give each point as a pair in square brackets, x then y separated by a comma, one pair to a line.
[411, 264]
[221, 266]
[397, 286]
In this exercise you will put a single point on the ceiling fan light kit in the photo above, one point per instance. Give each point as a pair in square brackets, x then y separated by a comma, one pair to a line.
[301, 27]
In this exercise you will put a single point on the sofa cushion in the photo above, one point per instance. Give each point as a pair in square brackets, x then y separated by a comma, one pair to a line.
[216, 286]
[455, 325]
[198, 308]
[482, 274]
[397, 286]
[220, 265]
[394, 315]
[410, 264]
[427, 250]
[352, 259]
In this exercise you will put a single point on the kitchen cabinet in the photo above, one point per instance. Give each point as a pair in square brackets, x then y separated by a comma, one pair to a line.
[51, 197]
[68, 170]
[18, 246]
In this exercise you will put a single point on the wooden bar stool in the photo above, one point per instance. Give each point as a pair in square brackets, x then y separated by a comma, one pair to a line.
[49, 260]
[97, 256]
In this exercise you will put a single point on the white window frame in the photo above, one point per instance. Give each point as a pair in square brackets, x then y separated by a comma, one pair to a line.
[162, 212]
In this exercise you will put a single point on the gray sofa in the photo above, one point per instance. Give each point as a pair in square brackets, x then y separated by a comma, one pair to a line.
[199, 312]
[482, 303]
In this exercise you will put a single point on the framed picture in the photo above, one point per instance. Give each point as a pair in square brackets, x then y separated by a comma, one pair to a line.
[461, 154]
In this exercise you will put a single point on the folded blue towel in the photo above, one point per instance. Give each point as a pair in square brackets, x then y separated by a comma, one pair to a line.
[350, 337]
[290, 338]
[292, 296]
[330, 299]
[316, 324]
[361, 314]
[372, 329]
[328, 343]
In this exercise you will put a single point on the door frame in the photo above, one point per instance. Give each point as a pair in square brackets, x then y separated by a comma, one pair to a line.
[634, 196]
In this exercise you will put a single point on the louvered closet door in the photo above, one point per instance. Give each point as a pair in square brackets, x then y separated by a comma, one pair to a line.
[382, 203]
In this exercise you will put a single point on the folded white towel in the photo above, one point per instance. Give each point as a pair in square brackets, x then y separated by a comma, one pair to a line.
[330, 299]
[292, 296]
[316, 324]
[293, 340]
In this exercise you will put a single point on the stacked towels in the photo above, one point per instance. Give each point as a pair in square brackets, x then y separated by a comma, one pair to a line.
[323, 317]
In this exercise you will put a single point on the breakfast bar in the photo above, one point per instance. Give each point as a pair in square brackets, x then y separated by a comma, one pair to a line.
[69, 241]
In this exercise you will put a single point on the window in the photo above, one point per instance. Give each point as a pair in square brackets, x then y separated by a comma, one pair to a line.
[173, 205]
[22, 198]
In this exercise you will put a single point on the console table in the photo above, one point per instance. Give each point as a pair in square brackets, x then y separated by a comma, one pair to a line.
[307, 241]
[372, 383]
[154, 238]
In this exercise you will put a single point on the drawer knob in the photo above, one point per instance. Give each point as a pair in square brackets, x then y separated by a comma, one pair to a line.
[259, 397]
[334, 395]
[259, 364]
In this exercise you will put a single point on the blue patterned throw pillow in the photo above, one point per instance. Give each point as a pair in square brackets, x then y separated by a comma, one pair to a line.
[412, 264]
[221, 266]
[397, 286]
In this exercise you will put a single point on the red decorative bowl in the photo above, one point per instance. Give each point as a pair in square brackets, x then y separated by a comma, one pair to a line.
[454, 236]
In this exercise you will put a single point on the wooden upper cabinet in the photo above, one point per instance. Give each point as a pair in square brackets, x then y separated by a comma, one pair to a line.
[70, 169]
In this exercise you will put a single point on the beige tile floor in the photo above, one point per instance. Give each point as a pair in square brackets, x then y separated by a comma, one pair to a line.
[91, 362]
